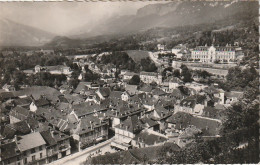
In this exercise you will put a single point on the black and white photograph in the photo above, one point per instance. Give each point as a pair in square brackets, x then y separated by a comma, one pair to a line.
[129, 82]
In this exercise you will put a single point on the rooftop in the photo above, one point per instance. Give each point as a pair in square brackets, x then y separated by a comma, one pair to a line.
[30, 141]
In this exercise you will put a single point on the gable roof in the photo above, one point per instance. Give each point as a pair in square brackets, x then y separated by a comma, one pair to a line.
[30, 141]
[146, 88]
[131, 124]
[6, 95]
[148, 121]
[20, 113]
[149, 138]
[105, 92]
[158, 91]
[41, 102]
[9, 150]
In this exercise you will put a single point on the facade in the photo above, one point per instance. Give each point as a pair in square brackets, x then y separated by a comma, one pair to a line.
[32, 147]
[90, 131]
[160, 47]
[149, 77]
[216, 54]
[125, 133]
[59, 69]
[57, 145]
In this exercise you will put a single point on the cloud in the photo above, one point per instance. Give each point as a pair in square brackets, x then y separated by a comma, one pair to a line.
[62, 17]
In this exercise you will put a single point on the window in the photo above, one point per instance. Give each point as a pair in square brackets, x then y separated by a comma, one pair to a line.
[25, 160]
[18, 163]
[40, 148]
[33, 158]
[33, 150]
[40, 155]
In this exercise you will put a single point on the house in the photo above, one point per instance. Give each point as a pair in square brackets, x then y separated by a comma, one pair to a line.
[19, 114]
[58, 69]
[125, 133]
[23, 102]
[90, 131]
[103, 93]
[128, 75]
[20, 128]
[160, 114]
[148, 123]
[232, 96]
[149, 77]
[146, 89]
[193, 104]
[148, 138]
[125, 96]
[123, 112]
[160, 47]
[181, 120]
[131, 89]
[8, 88]
[10, 154]
[158, 93]
[42, 102]
[4, 96]
[196, 86]
[32, 147]
[57, 144]
[180, 51]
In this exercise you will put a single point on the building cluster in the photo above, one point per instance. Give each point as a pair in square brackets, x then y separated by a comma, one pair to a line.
[206, 54]
[41, 124]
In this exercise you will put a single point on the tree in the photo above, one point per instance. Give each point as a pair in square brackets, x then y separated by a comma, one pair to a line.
[135, 80]
[186, 74]
[147, 65]
[176, 73]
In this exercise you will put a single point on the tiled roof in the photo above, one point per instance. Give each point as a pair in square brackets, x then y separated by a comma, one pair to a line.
[236, 94]
[6, 95]
[23, 101]
[9, 150]
[42, 102]
[158, 91]
[38, 91]
[21, 113]
[131, 124]
[188, 103]
[105, 92]
[149, 73]
[149, 121]
[146, 88]
[148, 138]
[30, 141]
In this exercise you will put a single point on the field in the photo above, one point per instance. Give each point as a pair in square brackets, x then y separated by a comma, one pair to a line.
[137, 55]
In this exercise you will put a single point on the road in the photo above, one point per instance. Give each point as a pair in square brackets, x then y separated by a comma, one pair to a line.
[79, 157]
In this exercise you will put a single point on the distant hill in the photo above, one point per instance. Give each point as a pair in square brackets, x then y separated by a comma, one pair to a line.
[15, 34]
[172, 14]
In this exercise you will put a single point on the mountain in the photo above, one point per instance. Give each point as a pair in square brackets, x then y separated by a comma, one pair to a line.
[173, 14]
[16, 34]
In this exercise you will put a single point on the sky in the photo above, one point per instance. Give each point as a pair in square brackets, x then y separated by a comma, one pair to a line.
[61, 18]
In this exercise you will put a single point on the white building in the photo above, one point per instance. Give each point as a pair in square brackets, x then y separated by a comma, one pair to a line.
[149, 77]
[213, 54]
[160, 47]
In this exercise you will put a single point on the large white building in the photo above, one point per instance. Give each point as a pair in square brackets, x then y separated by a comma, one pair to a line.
[210, 54]
[149, 77]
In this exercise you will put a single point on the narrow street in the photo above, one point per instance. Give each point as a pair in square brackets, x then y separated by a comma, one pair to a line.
[81, 156]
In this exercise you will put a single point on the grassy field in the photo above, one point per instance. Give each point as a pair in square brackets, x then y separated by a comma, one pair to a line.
[137, 55]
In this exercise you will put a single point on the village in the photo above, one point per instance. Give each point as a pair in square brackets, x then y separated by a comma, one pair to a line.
[41, 124]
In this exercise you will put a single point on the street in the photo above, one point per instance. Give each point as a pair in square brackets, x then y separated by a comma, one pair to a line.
[79, 157]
